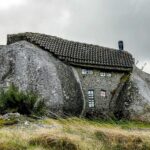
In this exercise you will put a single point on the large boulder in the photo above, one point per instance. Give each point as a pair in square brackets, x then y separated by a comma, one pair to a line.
[134, 100]
[33, 69]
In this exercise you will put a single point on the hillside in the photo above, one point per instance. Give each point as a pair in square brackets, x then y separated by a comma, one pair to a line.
[73, 134]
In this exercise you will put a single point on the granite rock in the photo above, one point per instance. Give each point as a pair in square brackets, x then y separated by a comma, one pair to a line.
[134, 100]
[33, 69]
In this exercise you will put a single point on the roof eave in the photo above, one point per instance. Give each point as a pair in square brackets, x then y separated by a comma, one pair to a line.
[123, 69]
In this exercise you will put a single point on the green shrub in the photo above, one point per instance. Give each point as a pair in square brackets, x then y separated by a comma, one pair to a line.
[4, 122]
[40, 108]
[14, 100]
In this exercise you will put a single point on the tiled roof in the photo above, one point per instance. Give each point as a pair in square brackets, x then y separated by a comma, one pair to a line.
[79, 54]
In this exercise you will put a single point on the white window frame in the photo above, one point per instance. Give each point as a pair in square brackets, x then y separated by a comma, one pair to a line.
[87, 71]
[84, 71]
[102, 74]
[108, 74]
[91, 101]
[105, 74]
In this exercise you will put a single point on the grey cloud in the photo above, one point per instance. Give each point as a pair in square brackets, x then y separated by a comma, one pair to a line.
[102, 22]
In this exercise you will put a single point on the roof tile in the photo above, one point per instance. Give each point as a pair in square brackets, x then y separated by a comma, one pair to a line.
[78, 53]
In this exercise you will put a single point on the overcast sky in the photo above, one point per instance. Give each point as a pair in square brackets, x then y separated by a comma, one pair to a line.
[101, 22]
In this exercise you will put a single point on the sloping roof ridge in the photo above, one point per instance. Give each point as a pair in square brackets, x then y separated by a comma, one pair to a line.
[72, 41]
[76, 52]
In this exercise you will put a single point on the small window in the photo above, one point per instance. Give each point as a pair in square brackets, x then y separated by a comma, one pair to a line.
[102, 74]
[90, 71]
[103, 93]
[84, 71]
[87, 71]
[108, 74]
[91, 98]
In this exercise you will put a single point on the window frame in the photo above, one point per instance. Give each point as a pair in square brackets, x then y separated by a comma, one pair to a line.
[106, 74]
[91, 100]
[87, 71]
[103, 74]
[109, 75]
[103, 93]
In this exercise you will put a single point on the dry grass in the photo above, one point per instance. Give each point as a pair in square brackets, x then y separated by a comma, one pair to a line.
[76, 134]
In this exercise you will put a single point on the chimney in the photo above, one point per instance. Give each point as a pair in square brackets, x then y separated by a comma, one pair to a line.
[121, 46]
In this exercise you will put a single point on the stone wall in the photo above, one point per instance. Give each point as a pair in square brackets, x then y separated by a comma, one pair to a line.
[97, 83]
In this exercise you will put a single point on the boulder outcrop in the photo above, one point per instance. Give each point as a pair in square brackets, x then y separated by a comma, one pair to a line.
[34, 69]
[31, 68]
[134, 100]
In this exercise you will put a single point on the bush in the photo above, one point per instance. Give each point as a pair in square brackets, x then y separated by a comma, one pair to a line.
[13, 100]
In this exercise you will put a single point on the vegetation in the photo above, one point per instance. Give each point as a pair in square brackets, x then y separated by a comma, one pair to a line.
[14, 100]
[64, 134]
[7, 122]
[49, 141]
[76, 134]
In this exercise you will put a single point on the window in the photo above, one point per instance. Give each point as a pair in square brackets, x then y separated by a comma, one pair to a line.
[84, 71]
[103, 93]
[91, 98]
[108, 74]
[104, 74]
[87, 71]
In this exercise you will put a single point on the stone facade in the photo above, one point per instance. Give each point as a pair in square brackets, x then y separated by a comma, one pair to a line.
[99, 81]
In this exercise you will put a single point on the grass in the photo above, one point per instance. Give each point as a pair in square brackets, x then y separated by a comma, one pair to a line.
[76, 134]
[7, 122]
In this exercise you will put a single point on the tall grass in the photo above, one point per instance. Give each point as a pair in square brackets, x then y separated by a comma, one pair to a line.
[76, 134]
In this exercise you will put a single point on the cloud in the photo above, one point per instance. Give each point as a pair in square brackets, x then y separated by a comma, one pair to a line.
[101, 22]
[7, 4]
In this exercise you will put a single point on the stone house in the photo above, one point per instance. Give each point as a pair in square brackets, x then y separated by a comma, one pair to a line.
[99, 71]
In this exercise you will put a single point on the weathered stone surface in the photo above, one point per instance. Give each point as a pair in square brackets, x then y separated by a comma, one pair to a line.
[134, 100]
[65, 89]
[96, 82]
[31, 68]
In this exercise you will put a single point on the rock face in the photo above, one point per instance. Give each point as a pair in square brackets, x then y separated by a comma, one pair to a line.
[31, 68]
[134, 100]
[62, 86]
